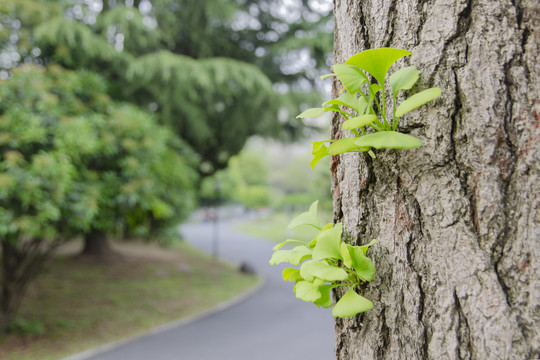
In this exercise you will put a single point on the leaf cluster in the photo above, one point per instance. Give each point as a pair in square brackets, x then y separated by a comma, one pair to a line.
[363, 104]
[326, 263]
[73, 160]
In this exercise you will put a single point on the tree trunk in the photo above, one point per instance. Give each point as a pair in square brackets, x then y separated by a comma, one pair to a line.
[96, 244]
[458, 219]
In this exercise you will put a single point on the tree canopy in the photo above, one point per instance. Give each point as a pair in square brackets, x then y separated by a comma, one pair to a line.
[216, 74]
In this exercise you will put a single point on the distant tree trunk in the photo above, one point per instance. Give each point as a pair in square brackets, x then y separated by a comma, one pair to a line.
[96, 244]
[458, 220]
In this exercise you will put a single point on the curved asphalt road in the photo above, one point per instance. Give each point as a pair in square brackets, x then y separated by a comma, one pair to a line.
[269, 325]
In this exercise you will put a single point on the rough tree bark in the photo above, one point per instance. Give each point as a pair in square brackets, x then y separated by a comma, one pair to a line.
[458, 219]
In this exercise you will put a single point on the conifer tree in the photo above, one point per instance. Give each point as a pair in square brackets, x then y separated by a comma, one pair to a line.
[209, 69]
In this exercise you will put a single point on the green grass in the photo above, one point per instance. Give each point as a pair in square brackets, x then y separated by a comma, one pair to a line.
[81, 303]
[274, 227]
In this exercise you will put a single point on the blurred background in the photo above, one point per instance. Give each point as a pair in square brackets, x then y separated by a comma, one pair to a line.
[120, 120]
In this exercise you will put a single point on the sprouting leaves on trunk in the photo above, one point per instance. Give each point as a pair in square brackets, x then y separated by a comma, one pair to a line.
[363, 104]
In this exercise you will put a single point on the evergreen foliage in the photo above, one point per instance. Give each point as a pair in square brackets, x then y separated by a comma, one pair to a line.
[216, 63]
[219, 109]
[74, 45]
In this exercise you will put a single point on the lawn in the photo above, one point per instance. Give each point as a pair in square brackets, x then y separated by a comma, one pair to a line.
[273, 227]
[78, 303]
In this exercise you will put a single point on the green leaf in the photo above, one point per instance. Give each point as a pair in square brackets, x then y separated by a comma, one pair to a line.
[280, 256]
[299, 254]
[325, 300]
[362, 265]
[404, 79]
[314, 241]
[309, 218]
[305, 273]
[359, 121]
[328, 244]
[374, 88]
[307, 291]
[291, 274]
[351, 304]
[312, 113]
[336, 108]
[327, 272]
[288, 241]
[320, 150]
[311, 269]
[351, 76]
[366, 247]
[345, 255]
[294, 256]
[417, 100]
[377, 62]
[349, 100]
[388, 140]
[342, 146]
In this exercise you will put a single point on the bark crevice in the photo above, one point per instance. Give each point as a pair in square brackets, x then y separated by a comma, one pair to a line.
[363, 33]
[464, 351]
[421, 307]
[385, 334]
[462, 27]
[392, 17]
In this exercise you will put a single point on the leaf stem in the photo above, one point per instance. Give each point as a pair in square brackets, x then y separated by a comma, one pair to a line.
[370, 102]
[383, 91]
[394, 120]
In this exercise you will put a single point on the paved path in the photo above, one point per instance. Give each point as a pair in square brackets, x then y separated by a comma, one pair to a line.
[269, 325]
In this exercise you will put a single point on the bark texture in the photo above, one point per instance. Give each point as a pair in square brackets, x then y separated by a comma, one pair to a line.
[458, 219]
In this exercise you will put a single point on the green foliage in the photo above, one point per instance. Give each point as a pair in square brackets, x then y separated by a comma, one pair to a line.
[326, 263]
[201, 32]
[253, 197]
[17, 20]
[277, 34]
[245, 181]
[300, 185]
[73, 160]
[225, 93]
[363, 104]
[37, 171]
[77, 48]
[205, 68]
[138, 38]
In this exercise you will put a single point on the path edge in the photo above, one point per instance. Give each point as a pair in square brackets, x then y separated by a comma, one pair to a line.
[171, 325]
